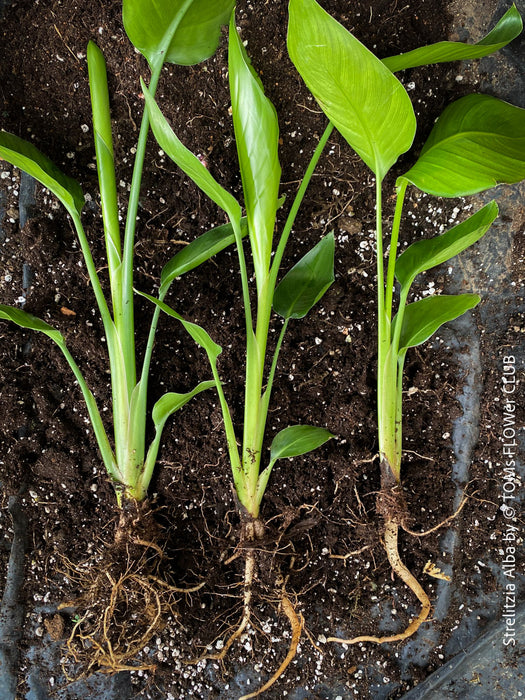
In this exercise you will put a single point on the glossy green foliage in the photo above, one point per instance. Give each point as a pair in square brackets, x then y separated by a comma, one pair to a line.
[477, 143]
[423, 318]
[297, 440]
[307, 281]
[187, 161]
[26, 320]
[423, 255]
[507, 29]
[356, 91]
[257, 139]
[28, 158]
[175, 31]
[171, 402]
[199, 335]
[198, 251]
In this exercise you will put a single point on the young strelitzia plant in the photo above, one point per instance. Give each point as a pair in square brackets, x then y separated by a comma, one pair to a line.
[163, 32]
[184, 32]
[476, 144]
[257, 136]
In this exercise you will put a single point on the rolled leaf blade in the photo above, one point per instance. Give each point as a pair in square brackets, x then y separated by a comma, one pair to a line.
[171, 402]
[307, 281]
[27, 157]
[423, 255]
[297, 440]
[257, 138]
[423, 318]
[477, 143]
[507, 29]
[33, 323]
[198, 251]
[356, 91]
[184, 32]
[187, 161]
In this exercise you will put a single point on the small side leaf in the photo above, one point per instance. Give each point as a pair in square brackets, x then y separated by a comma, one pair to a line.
[169, 403]
[507, 29]
[423, 318]
[297, 440]
[184, 32]
[307, 281]
[356, 91]
[187, 161]
[426, 254]
[198, 251]
[28, 158]
[477, 143]
[25, 320]
[199, 335]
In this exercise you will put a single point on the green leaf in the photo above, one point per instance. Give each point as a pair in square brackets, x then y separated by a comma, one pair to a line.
[426, 254]
[169, 403]
[198, 251]
[507, 29]
[477, 143]
[297, 440]
[423, 318]
[356, 91]
[184, 32]
[28, 158]
[307, 281]
[199, 335]
[98, 86]
[187, 162]
[25, 320]
[257, 139]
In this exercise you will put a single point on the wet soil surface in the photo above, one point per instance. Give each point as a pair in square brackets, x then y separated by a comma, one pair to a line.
[322, 531]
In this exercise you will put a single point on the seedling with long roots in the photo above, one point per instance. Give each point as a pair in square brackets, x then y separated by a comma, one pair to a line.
[257, 136]
[183, 32]
[476, 144]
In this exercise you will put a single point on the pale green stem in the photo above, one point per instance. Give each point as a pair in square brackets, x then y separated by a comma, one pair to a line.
[401, 191]
[93, 276]
[96, 421]
[128, 327]
[297, 203]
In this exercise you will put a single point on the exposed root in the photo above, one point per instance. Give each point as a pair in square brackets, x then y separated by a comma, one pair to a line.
[450, 518]
[391, 548]
[297, 624]
[253, 531]
[125, 598]
[249, 569]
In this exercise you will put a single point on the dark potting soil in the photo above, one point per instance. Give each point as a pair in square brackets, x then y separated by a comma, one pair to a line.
[323, 536]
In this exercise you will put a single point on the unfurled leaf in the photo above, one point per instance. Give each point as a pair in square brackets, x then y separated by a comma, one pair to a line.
[199, 335]
[257, 138]
[28, 158]
[423, 318]
[477, 143]
[426, 254]
[175, 31]
[297, 440]
[507, 29]
[187, 162]
[25, 320]
[307, 281]
[198, 251]
[169, 403]
[355, 90]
